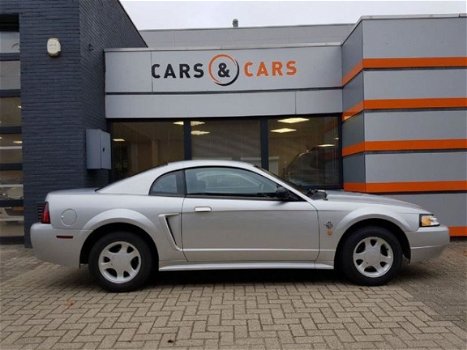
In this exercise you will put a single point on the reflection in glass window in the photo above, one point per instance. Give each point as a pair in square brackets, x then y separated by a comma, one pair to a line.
[168, 184]
[9, 42]
[12, 221]
[305, 150]
[138, 146]
[226, 139]
[11, 153]
[10, 111]
[228, 182]
[11, 177]
[10, 75]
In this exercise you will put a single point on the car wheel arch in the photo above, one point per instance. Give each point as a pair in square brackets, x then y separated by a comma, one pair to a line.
[99, 232]
[378, 222]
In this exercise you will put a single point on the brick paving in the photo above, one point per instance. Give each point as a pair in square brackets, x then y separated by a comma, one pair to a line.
[43, 306]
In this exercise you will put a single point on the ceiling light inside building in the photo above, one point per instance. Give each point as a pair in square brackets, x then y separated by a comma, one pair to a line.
[18, 142]
[199, 132]
[193, 123]
[118, 140]
[283, 130]
[293, 120]
[327, 145]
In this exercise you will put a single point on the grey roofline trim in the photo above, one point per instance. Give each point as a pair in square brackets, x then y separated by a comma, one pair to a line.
[391, 17]
[245, 47]
[249, 28]
[355, 25]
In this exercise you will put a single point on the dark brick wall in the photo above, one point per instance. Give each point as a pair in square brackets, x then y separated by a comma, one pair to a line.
[62, 97]
[104, 24]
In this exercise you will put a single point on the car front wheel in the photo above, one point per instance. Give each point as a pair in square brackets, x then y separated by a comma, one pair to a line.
[121, 262]
[371, 256]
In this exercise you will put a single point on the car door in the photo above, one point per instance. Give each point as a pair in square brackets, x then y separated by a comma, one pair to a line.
[233, 214]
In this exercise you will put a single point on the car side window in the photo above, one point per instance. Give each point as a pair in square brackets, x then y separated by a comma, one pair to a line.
[170, 184]
[224, 181]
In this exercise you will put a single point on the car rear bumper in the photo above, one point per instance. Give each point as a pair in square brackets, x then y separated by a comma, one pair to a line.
[58, 246]
[428, 242]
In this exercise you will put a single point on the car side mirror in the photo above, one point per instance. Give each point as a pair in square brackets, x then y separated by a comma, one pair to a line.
[282, 193]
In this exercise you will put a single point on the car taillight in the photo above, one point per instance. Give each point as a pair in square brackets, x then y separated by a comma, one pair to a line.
[45, 217]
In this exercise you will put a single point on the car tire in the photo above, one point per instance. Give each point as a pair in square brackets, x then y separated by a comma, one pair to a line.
[370, 256]
[121, 262]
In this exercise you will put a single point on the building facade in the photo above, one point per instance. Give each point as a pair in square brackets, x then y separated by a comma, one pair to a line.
[379, 106]
[47, 103]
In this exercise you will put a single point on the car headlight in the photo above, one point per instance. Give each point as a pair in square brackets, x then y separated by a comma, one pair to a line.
[428, 220]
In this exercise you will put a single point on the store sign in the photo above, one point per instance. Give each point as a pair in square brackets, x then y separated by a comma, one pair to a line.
[224, 70]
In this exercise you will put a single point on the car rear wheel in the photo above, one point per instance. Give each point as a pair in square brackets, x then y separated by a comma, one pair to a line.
[121, 262]
[371, 256]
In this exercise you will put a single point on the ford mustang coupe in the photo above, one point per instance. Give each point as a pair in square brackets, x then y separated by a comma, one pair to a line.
[209, 215]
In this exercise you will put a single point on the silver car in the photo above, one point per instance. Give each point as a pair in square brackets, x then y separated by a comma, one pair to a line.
[209, 215]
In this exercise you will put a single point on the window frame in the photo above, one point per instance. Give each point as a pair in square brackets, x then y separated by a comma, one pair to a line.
[293, 196]
[180, 183]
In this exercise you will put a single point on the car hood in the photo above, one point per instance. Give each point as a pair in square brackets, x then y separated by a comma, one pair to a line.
[353, 197]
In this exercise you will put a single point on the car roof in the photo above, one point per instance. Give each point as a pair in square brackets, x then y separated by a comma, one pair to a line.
[205, 162]
[138, 184]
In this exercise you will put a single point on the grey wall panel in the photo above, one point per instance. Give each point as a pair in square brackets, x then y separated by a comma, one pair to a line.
[353, 92]
[203, 105]
[315, 101]
[436, 37]
[450, 208]
[353, 130]
[354, 168]
[414, 125]
[400, 167]
[415, 83]
[352, 49]
[120, 75]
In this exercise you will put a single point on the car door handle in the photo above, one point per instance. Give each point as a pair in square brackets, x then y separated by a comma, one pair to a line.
[203, 209]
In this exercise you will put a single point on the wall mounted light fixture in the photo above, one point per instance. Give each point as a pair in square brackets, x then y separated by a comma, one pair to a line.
[53, 47]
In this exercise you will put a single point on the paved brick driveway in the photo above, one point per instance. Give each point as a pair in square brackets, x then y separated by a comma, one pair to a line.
[51, 307]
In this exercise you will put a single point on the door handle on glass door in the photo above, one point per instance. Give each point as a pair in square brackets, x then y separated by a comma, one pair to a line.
[203, 209]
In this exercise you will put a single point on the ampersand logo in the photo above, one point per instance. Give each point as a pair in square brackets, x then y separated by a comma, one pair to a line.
[223, 69]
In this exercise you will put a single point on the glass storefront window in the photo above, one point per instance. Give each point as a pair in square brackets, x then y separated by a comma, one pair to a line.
[9, 42]
[10, 111]
[11, 141]
[11, 184]
[227, 139]
[10, 75]
[11, 148]
[138, 146]
[305, 150]
[11, 221]
[8, 177]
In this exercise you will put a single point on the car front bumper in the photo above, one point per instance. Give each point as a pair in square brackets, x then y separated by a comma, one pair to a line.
[62, 247]
[428, 242]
